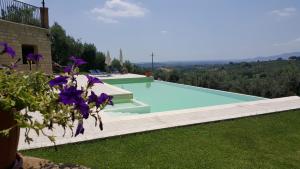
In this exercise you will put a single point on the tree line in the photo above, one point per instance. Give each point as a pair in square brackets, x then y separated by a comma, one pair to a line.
[63, 46]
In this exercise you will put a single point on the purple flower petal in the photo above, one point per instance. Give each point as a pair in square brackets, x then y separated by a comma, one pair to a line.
[70, 95]
[80, 129]
[68, 69]
[10, 51]
[83, 108]
[77, 61]
[38, 57]
[30, 57]
[104, 98]
[110, 102]
[92, 80]
[92, 98]
[34, 57]
[7, 49]
[13, 66]
[58, 81]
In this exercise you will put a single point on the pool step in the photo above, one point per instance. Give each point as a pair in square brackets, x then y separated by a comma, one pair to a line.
[131, 107]
[126, 78]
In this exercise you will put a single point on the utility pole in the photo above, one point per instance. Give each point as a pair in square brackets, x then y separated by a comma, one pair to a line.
[43, 3]
[152, 63]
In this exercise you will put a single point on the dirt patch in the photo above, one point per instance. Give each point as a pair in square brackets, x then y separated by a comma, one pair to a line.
[37, 163]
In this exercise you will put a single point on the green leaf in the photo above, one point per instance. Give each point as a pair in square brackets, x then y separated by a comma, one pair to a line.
[51, 138]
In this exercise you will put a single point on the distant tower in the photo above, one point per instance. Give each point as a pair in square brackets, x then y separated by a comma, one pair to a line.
[121, 57]
[43, 3]
[107, 59]
[152, 55]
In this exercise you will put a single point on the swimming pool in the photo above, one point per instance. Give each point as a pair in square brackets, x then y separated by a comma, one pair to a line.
[164, 96]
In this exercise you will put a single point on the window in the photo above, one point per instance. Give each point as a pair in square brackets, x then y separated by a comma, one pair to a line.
[27, 49]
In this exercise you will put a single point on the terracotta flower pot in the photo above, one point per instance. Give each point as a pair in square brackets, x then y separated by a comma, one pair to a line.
[148, 73]
[8, 145]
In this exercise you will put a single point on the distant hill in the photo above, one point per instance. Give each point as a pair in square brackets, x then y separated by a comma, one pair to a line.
[180, 63]
[283, 56]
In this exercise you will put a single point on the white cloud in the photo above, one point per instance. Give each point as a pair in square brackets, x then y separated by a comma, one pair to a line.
[25, 1]
[106, 19]
[113, 10]
[289, 43]
[164, 32]
[285, 12]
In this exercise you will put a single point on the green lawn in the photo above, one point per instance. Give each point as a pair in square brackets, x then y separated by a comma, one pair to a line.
[271, 141]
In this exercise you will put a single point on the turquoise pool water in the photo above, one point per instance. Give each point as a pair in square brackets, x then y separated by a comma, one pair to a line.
[165, 96]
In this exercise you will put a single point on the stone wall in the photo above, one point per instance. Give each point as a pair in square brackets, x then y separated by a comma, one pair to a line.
[16, 35]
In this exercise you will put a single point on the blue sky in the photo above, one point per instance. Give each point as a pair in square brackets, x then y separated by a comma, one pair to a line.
[179, 30]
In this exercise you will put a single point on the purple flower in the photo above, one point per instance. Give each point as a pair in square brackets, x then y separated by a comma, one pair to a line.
[34, 57]
[104, 98]
[68, 69]
[58, 81]
[7, 49]
[92, 80]
[110, 102]
[92, 98]
[80, 129]
[70, 95]
[13, 66]
[73, 96]
[77, 61]
[83, 108]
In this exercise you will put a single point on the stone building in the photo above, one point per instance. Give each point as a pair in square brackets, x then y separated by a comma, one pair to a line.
[27, 32]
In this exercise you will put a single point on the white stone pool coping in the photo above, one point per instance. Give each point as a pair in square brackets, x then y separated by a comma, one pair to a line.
[120, 76]
[115, 126]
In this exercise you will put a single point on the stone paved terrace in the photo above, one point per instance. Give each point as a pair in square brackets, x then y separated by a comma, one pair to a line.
[114, 125]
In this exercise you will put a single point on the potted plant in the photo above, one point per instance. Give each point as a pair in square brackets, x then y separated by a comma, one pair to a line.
[148, 73]
[57, 100]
